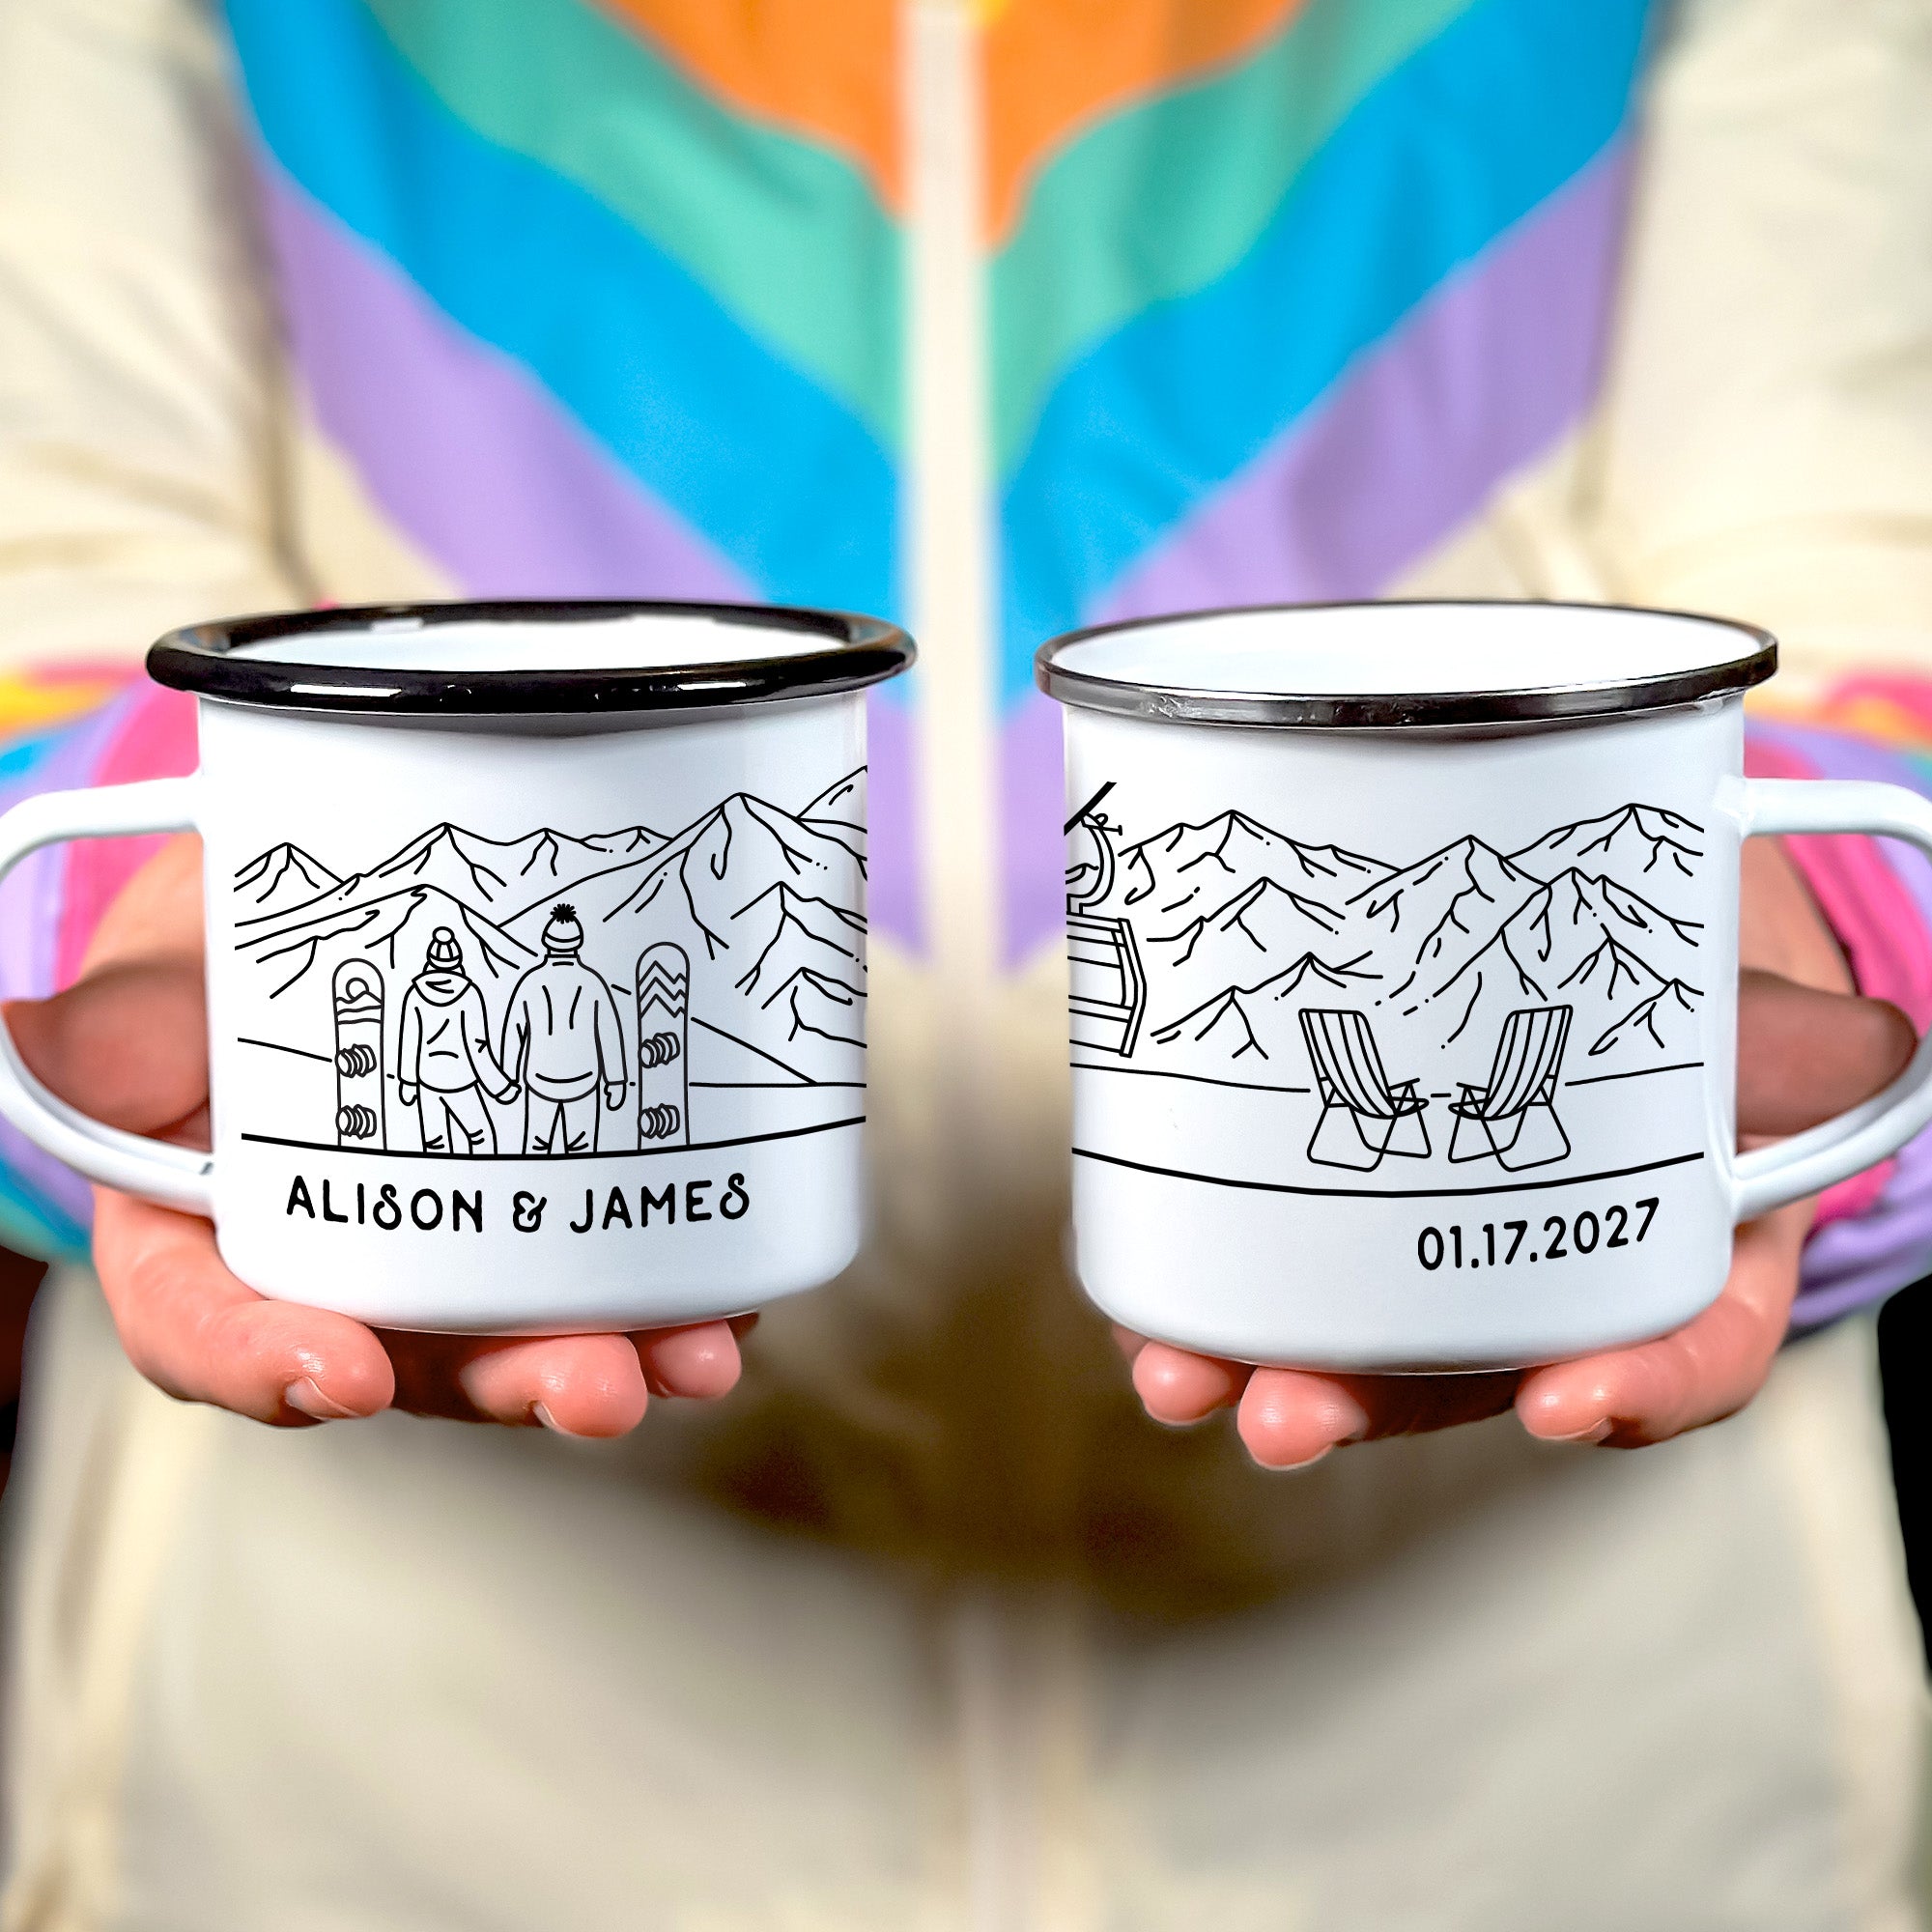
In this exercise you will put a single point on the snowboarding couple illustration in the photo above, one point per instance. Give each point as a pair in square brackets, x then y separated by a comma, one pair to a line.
[562, 1048]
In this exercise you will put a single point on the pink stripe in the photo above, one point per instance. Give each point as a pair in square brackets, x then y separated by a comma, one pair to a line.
[462, 445]
[155, 740]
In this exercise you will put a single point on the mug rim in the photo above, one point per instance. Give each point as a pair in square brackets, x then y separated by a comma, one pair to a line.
[205, 658]
[1168, 703]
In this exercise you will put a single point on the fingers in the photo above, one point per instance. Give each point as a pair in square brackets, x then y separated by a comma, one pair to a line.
[1292, 1417]
[197, 1332]
[1176, 1387]
[577, 1384]
[1289, 1418]
[1706, 1371]
[700, 1362]
[1804, 1055]
[593, 1385]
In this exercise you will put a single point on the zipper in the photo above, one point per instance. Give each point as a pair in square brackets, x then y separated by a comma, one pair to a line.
[949, 512]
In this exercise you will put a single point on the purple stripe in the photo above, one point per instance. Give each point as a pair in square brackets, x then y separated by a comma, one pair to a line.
[459, 443]
[1481, 378]
[892, 835]
[1032, 803]
[1853, 1263]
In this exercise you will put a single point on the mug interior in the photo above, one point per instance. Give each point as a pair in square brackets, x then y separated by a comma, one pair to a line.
[1404, 649]
[631, 640]
[1406, 664]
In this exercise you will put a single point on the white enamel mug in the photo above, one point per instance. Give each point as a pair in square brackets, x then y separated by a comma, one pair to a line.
[536, 957]
[1403, 954]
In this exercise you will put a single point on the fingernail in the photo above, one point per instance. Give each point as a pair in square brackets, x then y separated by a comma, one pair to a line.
[1595, 1433]
[304, 1397]
[541, 1411]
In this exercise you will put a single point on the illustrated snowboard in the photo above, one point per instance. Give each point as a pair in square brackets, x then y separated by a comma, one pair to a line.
[357, 989]
[664, 1003]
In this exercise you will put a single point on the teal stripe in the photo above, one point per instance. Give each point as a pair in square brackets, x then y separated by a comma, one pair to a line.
[786, 234]
[30, 1226]
[1161, 201]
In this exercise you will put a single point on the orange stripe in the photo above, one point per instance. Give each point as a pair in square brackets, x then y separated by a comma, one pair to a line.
[1052, 63]
[827, 69]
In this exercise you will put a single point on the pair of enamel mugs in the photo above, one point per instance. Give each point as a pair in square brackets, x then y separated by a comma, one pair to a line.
[1401, 943]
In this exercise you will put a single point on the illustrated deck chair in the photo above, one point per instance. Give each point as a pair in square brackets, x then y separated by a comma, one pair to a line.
[1363, 1116]
[1514, 1117]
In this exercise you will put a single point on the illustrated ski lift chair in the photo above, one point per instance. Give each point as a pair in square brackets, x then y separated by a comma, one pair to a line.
[1363, 1116]
[1514, 1117]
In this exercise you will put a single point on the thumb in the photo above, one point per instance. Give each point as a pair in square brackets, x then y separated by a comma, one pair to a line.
[1805, 1055]
[128, 1044]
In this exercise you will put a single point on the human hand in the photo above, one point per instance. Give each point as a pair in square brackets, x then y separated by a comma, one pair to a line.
[406, 1093]
[128, 1044]
[1808, 1049]
[509, 1094]
[613, 1094]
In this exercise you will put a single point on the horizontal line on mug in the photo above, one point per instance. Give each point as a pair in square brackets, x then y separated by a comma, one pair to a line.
[1386, 1193]
[1637, 1073]
[772, 1086]
[275, 1046]
[546, 1159]
[1201, 1079]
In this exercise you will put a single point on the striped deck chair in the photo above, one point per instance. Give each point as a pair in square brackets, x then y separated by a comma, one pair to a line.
[1363, 1116]
[1514, 1117]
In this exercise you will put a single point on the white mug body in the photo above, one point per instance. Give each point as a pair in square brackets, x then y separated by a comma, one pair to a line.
[657, 1122]
[1405, 1050]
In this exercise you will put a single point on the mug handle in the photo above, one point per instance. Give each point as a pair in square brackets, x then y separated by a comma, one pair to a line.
[1838, 1148]
[176, 1176]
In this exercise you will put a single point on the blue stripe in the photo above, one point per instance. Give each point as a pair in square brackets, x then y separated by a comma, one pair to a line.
[1460, 141]
[785, 480]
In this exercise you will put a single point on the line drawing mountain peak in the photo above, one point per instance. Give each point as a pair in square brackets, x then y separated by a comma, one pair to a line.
[1189, 863]
[1259, 1021]
[1645, 847]
[1229, 916]
[282, 878]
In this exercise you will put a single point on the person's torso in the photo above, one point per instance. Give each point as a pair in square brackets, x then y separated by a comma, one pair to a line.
[996, 321]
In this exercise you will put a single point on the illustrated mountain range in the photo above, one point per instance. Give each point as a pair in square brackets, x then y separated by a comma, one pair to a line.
[1239, 927]
[765, 903]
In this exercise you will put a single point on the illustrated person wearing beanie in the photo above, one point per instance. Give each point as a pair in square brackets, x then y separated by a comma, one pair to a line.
[445, 1064]
[562, 1040]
